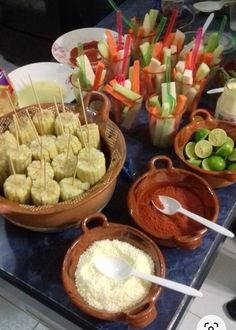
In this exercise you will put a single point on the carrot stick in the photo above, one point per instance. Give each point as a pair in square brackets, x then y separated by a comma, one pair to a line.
[169, 39]
[135, 82]
[108, 89]
[111, 44]
[139, 37]
[206, 58]
[157, 50]
[98, 74]
[180, 103]
[174, 74]
[188, 60]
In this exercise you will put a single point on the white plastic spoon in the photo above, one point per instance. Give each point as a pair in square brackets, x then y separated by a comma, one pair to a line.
[215, 90]
[117, 268]
[210, 6]
[172, 206]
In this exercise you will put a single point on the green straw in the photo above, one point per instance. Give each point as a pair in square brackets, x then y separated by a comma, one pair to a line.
[160, 28]
[115, 7]
[222, 27]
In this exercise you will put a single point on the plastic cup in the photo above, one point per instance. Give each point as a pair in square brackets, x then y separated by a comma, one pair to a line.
[151, 82]
[114, 67]
[162, 130]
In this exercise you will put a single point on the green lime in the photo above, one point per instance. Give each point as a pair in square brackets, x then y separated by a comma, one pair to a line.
[232, 156]
[195, 162]
[203, 149]
[189, 150]
[201, 134]
[230, 140]
[232, 167]
[205, 165]
[217, 137]
[225, 149]
[216, 163]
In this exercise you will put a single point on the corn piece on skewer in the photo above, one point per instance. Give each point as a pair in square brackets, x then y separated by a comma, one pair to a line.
[21, 158]
[45, 122]
[35, 170]
[47, 151]
[26, 131]
[64, 166]
[64, 140]
[17, 188]
[69, 122]
[42, 195]
[89, 134]
[70, 188]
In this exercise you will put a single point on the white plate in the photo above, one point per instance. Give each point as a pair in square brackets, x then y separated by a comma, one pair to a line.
[62, 47]
[43, 71]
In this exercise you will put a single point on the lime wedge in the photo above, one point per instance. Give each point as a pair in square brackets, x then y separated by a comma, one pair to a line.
[189, 150]
[217, 137]
[195, 162]
[216, 163]
[203, 149]
[201, 134]
[232, 167]
[232, 156]
[225, 149]
[230, 140]
[205, 165]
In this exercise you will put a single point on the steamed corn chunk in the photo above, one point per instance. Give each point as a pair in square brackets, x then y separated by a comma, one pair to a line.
[64, 166]
[44, 122]
[72, 188]
[21, 158]
[89, 134]
[69, 123]
[91, 166]
[42, 195]
[65, 140]
[36, 170]
[26, 132]
[47, 150]
[7, 139]
[17, 188]
[4, 169]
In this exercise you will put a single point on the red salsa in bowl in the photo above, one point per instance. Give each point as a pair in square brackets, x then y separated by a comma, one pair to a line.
[90, 49]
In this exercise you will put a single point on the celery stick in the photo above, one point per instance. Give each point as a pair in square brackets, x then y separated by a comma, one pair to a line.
[154, 101]
[202, 71]
[159, 80]
[126, 92]
[167, 131]
[172, 88]
[217, 54]
[153, 13]
[130, 115]
[146, 53]
[212, 42]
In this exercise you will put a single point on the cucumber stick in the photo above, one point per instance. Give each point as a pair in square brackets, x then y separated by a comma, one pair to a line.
[146, 52]
[126, 92]
[103, 49]
[153, 13]
[146, 25]
[212, 42]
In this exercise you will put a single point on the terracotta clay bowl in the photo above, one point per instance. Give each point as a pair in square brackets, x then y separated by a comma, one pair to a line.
[201, 118]
[197, 196]
[144, 312]
[66, 214]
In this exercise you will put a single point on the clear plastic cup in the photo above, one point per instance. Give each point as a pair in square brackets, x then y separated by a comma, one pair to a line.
[151, 82]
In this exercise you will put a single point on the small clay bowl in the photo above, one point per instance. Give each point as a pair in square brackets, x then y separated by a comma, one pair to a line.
[144, 312]
[201, 118]
[169, 230]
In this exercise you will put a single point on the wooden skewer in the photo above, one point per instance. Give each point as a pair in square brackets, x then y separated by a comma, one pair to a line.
[44, 174]
[58, 114]
[82, 135]
[75, 170]
[12, 167]
[33, 127]
[62, 100]
[68, 147]
[17, 134]
[12, 105]
[35, 95]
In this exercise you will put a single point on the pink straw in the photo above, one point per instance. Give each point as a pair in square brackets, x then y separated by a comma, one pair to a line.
[170, 25]
[119, 29]
[121, 77]
[196, 46]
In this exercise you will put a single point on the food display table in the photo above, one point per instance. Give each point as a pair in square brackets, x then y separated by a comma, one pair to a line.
[31, 261]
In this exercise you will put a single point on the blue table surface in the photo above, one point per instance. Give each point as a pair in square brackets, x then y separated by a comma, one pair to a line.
[32, 261]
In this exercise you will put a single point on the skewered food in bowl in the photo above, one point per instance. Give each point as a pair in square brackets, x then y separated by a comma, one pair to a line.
[45, 191]
[4, 169]
[66, 122]
[44, 122]
[89, 135]
[71, 188]
[24, 129]
[17, 188]
[7, 139]
[64, 166]
[91, 166]
[67, 142]
[36, 170]
[44, 147]
[21, 157]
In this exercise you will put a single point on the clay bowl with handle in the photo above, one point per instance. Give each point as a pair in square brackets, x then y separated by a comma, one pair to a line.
[144, 312]
[66, 214]
[164, 179]
[201, 118]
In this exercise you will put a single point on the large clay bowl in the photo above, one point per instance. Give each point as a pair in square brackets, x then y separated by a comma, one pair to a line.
[144, 312]
[216, 179]
[66, 214]
[169, 230]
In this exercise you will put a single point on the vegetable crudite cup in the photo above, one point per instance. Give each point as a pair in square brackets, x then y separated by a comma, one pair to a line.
[193, 192]
[143, 312]
[206, 146]
[65, 212]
